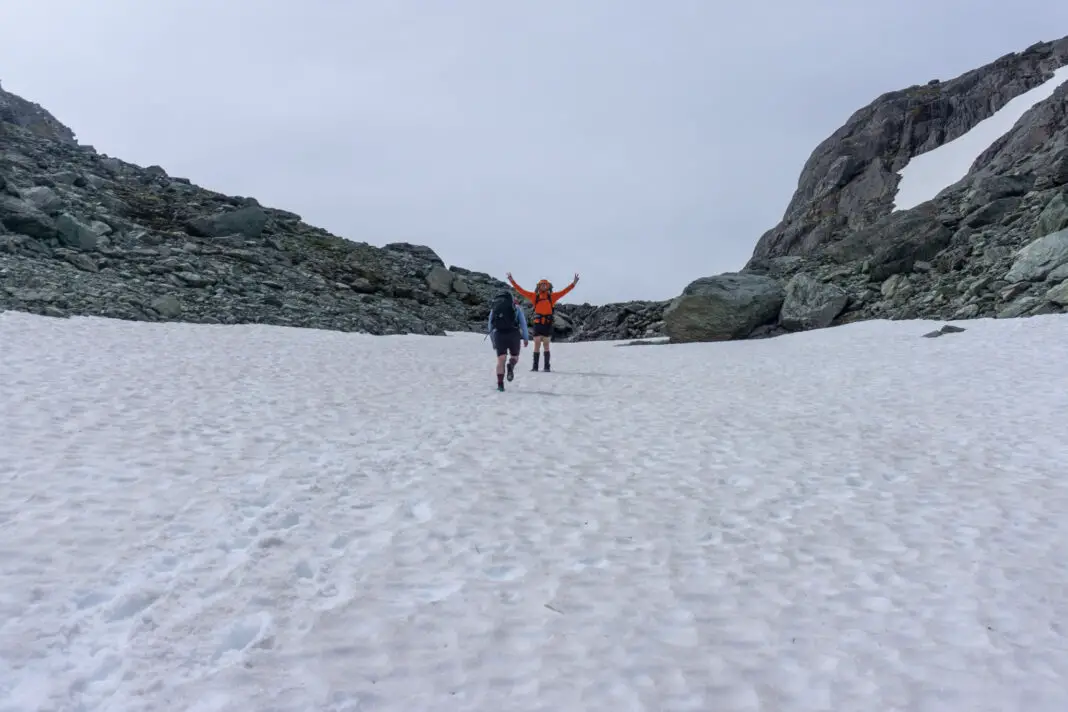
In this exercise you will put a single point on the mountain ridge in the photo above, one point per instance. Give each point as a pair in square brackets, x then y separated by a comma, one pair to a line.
[82, 233]
[842, 253]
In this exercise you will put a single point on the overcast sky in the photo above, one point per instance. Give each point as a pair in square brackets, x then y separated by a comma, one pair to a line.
[643, 144]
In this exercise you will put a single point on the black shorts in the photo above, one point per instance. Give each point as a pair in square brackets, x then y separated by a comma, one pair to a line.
[543, 328]
[507, 342]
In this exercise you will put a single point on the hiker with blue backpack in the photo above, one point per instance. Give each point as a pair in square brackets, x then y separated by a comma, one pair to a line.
[507, 328]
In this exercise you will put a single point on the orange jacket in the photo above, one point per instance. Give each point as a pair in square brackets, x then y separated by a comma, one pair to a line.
[543, 306]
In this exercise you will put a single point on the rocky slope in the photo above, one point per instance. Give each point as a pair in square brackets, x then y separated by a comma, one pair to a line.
[85, 234]
[991, 245]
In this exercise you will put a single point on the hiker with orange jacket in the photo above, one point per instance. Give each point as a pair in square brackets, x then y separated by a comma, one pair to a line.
[544, 300]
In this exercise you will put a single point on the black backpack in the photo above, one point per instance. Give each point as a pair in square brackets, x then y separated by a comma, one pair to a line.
[504, 318]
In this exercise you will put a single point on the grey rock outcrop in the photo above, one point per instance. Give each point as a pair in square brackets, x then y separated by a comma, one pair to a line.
[994, 244]
[610, 322]
[849, 182]
[90, 235]
[32, 117]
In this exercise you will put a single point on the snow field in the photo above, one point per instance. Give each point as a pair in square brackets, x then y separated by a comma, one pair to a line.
[206, 519]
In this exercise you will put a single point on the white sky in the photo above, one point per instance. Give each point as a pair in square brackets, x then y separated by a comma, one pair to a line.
[641, 144]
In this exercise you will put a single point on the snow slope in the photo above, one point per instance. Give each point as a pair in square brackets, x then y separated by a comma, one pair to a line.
[215, 518]
[927, 174]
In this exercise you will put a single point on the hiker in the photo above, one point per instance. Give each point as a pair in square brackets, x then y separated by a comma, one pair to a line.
[507, 327]
[544, 299]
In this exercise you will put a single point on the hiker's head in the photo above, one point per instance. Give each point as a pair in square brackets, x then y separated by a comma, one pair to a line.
[544, 285]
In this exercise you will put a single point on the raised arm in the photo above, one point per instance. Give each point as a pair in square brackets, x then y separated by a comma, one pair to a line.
[563, 292]
[528, 295]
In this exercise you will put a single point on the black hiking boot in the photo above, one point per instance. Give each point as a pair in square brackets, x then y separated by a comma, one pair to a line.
[500, 381]
[511, 370]
[547, 367]
[537, 355]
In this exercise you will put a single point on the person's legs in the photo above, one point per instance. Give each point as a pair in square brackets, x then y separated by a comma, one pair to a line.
[513, 357]
[542, 332]
[505, 343]
[548, 340]
[498, 342]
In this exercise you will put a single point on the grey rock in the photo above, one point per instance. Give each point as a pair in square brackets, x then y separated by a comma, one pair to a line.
[610, 322]
[810, 304]
[361, 285]
[1018, 308]
[440, 280]
[946, 329]
[893, 285]
[44, 199]
[22, 217]
[991, 213]
[722, 307]
[248, 222]
[1035, 261]
[80, 260]
[1054, 216]
[420, 252]
[168, 306]
[100, 228]
[1059, 294]
[1059, 274]
[990, 189]
[895, 243]
[76, 234]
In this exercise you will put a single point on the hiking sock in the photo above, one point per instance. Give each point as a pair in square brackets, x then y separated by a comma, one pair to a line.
[500, 381]
[536, 356]
[547, 361]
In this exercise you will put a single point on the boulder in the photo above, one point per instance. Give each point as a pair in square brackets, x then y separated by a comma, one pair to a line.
[439, 280]
[810, 304]
[74, 233]
[44, 199]
[1035, 261]
[22, 217]
[248, 221]
[1058, 295]
[1054, 216]
[723, 307]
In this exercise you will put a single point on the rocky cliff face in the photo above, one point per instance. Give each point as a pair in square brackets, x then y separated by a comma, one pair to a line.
[85, 234]
[991, 245]
[850, 180]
